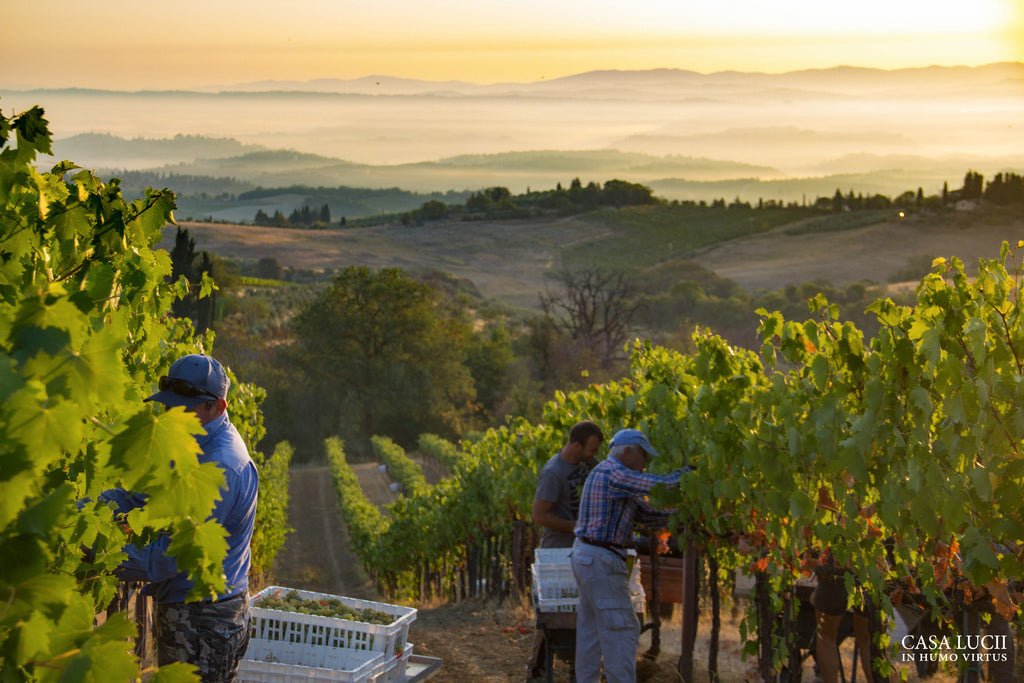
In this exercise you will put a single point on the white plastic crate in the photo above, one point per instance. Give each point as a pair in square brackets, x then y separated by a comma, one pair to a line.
[330, 632]
[277, 661]
[554, 584]
[393, 669]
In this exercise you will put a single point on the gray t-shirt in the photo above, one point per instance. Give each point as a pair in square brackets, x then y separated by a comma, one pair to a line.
[561, 483]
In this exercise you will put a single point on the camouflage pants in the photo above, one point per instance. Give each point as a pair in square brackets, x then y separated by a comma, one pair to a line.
[210, 635]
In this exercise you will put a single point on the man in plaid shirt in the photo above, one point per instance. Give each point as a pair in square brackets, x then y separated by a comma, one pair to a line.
[614, 498]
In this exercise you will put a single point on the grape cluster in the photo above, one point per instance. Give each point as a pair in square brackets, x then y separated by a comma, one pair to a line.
[331, 607]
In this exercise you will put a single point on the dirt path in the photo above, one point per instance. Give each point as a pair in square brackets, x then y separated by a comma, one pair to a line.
[316, 554]
[477, 642]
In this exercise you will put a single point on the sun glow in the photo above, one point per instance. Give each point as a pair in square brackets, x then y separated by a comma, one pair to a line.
[113, 43]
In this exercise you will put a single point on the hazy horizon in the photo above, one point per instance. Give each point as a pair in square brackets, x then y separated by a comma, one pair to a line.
[797, 122]
[740, 81]
[200, 43]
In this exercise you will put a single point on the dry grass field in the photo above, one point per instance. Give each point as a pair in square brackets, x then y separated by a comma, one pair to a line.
[506, 260]
[511, 260]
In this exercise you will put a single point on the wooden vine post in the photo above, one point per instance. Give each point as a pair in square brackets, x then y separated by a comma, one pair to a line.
[690, 608]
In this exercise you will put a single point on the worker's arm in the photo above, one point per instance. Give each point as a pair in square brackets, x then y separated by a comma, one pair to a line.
[543, 515]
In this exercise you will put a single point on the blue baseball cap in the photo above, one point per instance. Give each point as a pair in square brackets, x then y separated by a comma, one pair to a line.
[633, 437]
[192, 380]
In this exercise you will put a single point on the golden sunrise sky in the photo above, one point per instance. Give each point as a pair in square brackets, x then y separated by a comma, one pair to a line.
[142, 44]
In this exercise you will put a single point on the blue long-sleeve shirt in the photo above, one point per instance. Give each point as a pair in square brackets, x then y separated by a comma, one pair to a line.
[614, 496]
[235, 511]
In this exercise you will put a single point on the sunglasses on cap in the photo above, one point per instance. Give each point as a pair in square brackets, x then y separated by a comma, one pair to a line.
[183, 388]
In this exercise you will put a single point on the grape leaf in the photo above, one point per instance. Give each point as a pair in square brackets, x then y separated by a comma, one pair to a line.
[201, 548]
[152, 442]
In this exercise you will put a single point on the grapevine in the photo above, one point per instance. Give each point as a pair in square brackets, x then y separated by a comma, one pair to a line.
[901, 446]
[84, 304]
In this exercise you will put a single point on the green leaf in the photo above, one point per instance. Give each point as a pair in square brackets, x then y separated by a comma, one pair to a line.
[46, 425]
[978, 552]
[930, 347]
[70, 224]
[190, 489]
[982, 483]
[153, 213]
[44, 514]
[60, 314]
[99, 282]
[109, 657]
[800, 504]
[820, 371]
[33, 637]
[201, 549]
[921, 399]
[152, 442]
[97, 372]
[35, 593]
[33, 132]
[10, 380]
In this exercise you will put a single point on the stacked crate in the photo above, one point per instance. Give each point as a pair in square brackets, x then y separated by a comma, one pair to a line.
[286, 647]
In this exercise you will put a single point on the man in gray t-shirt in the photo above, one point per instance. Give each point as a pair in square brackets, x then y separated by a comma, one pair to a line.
[557, 502]
[558, 493]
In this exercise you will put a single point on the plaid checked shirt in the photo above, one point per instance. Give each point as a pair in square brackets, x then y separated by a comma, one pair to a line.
[614, 497]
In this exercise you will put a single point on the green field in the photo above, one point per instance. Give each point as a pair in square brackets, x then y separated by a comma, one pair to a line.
[639, 237]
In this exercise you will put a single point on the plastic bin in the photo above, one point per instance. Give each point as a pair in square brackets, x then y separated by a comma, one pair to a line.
[393, 669]
[554, 584]
[277, 661]
[330, 632]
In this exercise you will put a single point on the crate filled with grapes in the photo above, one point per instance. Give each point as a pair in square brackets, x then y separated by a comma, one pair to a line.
[331, 622]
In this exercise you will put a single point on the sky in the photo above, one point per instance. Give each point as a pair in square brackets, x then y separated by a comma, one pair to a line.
[147, 45]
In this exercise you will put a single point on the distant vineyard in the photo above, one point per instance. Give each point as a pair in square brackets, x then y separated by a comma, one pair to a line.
[400, 466]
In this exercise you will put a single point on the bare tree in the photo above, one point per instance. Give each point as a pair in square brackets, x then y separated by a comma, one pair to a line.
[594, 308]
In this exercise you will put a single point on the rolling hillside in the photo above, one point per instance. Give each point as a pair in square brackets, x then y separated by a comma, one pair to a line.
[512, 260]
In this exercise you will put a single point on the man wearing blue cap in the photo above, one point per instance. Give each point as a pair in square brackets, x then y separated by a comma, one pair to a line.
[212, 634]
[614, 497]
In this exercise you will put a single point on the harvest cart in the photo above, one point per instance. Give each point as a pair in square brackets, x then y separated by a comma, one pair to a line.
[555, 597]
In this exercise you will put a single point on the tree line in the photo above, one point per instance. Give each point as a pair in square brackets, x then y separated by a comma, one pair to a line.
[305, 216]
[1005, 188]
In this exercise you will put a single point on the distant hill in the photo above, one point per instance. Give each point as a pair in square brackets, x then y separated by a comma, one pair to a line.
[147, 151]
[685, 134]
[540, 169]
[838, 79]
[219, 188]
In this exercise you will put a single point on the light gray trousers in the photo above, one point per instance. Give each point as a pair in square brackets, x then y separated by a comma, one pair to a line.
[607, 629]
